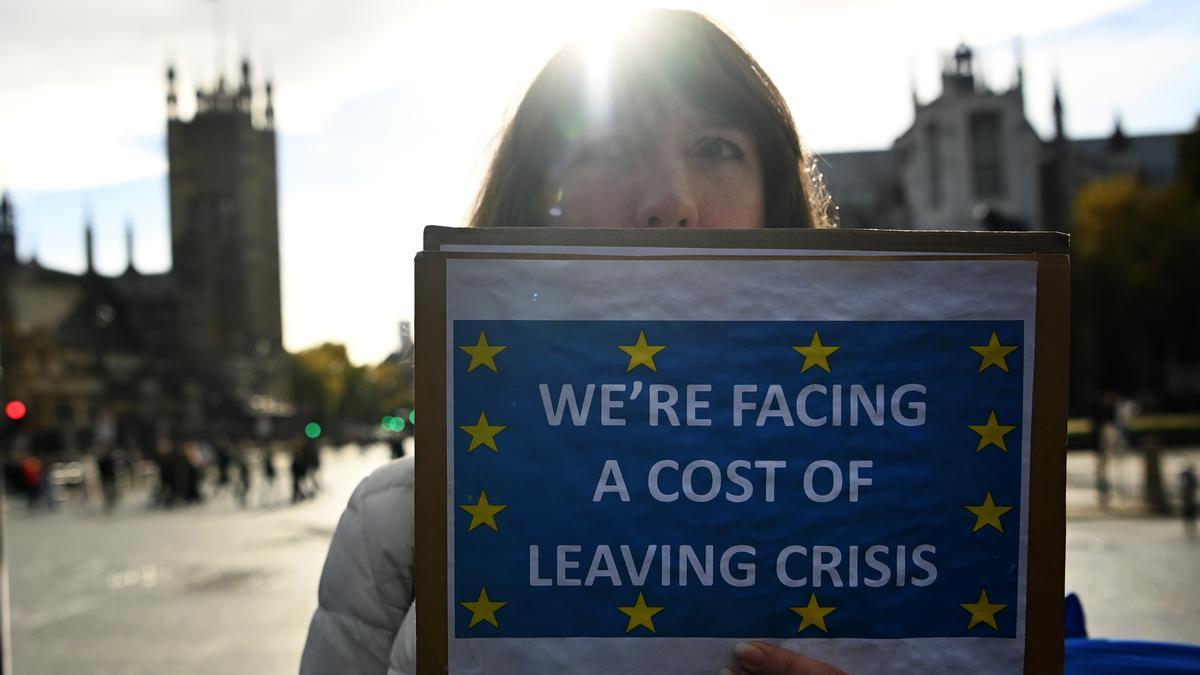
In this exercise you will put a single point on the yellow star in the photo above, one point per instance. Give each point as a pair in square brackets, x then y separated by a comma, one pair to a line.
[816, 354]
[483, 609]
[988, 513]
[482, 433]
[482, 354]
[983, 611]
[813, 614]
[641, 354]
[991, 433]
[483, 512]
[640, 614]
[994, 354]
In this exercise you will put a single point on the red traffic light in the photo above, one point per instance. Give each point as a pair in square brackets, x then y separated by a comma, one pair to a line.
[15, 410]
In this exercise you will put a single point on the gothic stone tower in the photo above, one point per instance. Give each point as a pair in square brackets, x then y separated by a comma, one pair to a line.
[970, 159]
[225, 236]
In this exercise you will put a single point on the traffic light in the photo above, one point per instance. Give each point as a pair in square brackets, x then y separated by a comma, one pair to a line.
[15, 410]
[312, 430]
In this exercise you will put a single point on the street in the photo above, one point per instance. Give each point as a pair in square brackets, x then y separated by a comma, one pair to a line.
[1138, 576]
[216, 588]
[206, 589]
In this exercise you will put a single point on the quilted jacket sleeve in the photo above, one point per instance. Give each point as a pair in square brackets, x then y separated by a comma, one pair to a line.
[367, 584]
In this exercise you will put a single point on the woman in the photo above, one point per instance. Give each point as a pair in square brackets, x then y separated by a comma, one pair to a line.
[678, 127]
[680, 103]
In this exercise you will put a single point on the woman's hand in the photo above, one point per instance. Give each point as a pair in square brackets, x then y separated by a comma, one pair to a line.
[759, 658]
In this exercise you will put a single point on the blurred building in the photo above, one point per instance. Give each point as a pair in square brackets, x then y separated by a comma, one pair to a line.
[225, 239]
[193, 351]
[78, 348]
[972, 161]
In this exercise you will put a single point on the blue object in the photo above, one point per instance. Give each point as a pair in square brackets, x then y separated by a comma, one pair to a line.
[1075, 624]
[583, 532]
[1100, 657]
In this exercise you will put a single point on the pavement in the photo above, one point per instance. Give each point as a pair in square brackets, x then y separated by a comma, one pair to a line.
[217, 588]
[1138, 575]
[213, 588]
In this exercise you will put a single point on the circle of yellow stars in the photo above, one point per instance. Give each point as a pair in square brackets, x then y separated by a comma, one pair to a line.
[816, 354]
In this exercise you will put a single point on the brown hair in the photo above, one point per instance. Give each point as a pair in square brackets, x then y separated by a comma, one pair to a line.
[670, 50]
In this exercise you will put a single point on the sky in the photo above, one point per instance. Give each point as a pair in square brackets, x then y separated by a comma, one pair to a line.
[387, 111]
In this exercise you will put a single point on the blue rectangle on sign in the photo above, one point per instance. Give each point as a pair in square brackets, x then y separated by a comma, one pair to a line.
[852, 479]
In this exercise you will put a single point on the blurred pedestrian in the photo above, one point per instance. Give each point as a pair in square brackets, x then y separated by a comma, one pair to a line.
[88, 462]
[1103, 415]
[193, 476]
[1187, 493]
[164, 495]
[224, 462]
[241, 484]
[33, 479]
[299, 469]
[312, 466]
[396, 443]
[269, 472]
[106, 466]
[179, 475]
[12, 473]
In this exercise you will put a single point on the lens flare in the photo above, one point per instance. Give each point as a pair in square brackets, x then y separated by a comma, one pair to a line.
[599, 43]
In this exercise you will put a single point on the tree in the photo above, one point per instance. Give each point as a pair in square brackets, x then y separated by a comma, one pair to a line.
[329, 387]
[320, 377]
[1136, 284]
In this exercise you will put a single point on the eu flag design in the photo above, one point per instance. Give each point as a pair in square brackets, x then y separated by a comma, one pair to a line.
[854, 479]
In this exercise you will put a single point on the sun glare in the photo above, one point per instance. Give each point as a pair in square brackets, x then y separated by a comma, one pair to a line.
[601, 33]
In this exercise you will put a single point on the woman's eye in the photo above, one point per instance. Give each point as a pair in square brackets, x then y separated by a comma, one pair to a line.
[717, 149]
[606, 149]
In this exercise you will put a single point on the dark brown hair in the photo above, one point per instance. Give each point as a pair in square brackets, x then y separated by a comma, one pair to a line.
[669, 50]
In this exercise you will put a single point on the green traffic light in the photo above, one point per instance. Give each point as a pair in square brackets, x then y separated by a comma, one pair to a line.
[412, 416]
[312, 430]
[386, 422]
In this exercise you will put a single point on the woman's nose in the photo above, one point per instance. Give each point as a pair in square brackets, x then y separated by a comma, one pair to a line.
[668, 200]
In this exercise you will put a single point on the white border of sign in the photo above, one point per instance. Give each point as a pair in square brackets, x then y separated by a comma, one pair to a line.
[723, 289]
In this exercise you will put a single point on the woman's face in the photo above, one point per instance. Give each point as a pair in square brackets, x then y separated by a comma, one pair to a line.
[676, 167]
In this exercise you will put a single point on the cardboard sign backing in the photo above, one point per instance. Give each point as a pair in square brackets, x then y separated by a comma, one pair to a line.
[638, 448]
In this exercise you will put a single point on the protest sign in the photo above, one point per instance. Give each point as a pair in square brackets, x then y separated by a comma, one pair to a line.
[631, 460]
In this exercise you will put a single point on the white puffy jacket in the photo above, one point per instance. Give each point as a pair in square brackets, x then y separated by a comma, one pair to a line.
[366, 619]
